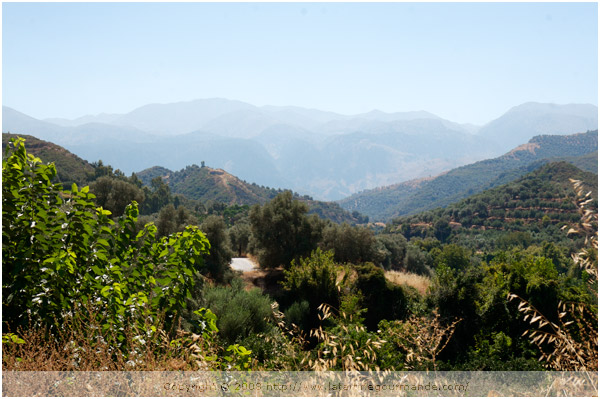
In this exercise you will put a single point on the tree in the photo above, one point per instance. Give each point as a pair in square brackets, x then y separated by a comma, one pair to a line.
[415, 261]
[166, 223]
[283, 231]
[442, 229]
[115, 194]
[239, 235]
[382, 299]
[454, 256]
[350, 244]
[313, 280]
[156, 197]
[218, 260]
[393, 250]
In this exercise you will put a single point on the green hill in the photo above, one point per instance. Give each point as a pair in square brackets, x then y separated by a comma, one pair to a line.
[204, 183]
[537, 205]
[70, 168]
[410, 198]
[208, 184]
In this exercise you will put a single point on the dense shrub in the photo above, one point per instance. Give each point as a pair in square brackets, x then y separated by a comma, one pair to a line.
[313, 279]
[240, 313]
[382, 299]
[350, 244]
[416, 261]
[60, 252]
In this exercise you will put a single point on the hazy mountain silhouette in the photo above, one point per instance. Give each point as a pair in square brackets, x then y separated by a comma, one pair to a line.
[324, 154]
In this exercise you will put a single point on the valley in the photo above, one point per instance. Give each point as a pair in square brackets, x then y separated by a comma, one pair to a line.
[455, 242]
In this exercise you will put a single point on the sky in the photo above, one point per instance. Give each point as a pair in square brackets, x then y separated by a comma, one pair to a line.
[466, 62]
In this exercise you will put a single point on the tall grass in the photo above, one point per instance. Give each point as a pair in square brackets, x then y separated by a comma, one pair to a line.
[420, 283]
[80, 346]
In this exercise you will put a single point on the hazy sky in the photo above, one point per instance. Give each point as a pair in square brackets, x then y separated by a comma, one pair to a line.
[467, 62]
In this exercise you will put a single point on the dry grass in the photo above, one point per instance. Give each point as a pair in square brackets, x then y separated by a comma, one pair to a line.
[81, 346]
[420, 283]
[421, 338]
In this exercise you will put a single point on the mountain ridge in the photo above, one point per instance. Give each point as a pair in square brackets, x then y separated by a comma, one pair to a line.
[458, 183]
[326, 155]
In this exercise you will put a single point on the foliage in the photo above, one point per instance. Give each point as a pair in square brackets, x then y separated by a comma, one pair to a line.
[570, 343]
[240, 313]
[157, 196]
[455, 295]
[383, 299]
[62, 253]
[347, 346]
[350, 244]
[172, 220]
[422, 339]
[218, 260]
[283, 231]
[314, 280]
[70, 168]
[454, 256]
[416, 261]
[391, 250]
[526, 211]
[115, 194]
[239, 235]
[80, 347]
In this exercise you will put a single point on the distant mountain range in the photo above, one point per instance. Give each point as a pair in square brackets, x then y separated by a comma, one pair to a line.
[385, 203]
[324, 154]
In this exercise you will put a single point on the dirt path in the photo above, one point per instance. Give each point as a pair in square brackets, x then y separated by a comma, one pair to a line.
[243, 264]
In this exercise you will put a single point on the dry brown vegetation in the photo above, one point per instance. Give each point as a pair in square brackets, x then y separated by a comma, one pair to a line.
[420, 283]
[80, 346]
[421, 338]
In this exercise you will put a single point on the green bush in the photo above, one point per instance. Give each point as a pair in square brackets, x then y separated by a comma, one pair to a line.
[282, 231]
[313, 280]
[416, 261]
[298, 314]
[382, 299]
[240, 313]
[60, 253]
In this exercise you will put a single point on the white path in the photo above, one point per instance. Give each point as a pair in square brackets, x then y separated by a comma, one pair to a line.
[243, 264]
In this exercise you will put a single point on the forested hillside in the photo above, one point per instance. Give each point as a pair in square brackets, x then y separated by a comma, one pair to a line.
[405, 199]
[201, 191]
[205, 183]
[72, 169]
[526, 211]
[202, 183]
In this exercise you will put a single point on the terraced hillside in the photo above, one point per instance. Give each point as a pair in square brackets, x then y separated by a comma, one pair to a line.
[537, 205]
